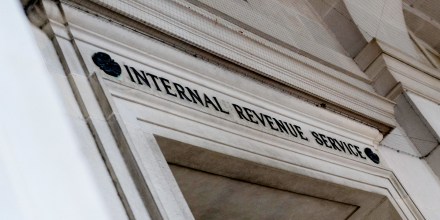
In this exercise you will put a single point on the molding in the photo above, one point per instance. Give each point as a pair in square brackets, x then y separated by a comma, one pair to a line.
[252, 133]
[410, 61]
[153, 196]
[249, 51]
[374, 179]
[413, 79]
[381, 60]
[375, 48]
[222, 81]
[115, 90]
[395, 92]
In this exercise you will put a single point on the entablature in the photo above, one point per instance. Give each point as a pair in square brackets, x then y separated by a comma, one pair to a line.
[207, 36]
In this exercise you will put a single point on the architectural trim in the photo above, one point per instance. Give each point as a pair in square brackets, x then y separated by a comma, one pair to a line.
[277, 63]
[81, 36]
[384, 178]
[376, 48]
[410, 78]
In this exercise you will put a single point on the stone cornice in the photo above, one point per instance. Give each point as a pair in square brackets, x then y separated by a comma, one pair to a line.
[375, 48]
[381, 60]
[208, 32]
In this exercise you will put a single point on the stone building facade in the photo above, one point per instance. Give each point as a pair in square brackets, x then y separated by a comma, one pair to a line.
[251, 109]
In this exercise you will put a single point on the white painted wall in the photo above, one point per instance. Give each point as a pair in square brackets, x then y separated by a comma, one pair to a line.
[43, 171]
[416, 176]
[428, 112]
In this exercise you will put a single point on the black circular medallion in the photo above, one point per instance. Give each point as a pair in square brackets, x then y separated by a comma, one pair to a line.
[106, 64]
[373, 156]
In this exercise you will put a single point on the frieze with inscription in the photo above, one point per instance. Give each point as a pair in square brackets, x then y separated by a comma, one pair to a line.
[244, 113]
